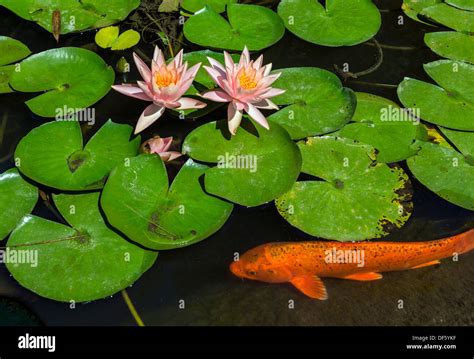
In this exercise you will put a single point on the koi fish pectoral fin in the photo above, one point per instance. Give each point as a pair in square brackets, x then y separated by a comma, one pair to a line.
[311, 286]
[364, 277]
[427, 264]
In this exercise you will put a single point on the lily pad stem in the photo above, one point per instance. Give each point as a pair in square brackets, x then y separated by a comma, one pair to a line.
[371, 69]
[132, 309]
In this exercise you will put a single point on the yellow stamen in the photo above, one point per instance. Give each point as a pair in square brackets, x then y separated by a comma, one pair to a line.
[166, 77]
[247, 79]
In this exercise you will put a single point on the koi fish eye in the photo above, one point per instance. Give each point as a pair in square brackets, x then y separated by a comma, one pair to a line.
[251, 273]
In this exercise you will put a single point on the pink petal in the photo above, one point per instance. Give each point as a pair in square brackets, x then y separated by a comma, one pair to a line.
[191, 73]
[178, 59]
[217, 96]
[245, 57]
[144, 70]
[272, 92]
[216, 75]
[216, 64]
[255, 114]
[150, 115]
[132, 91]
[187, 103]
[266, 104]
[158, 57]
[268, 69]
[235, 117]
[258, 63]
[170, 156]
[268, 80]
[158, 144]
[229, 63]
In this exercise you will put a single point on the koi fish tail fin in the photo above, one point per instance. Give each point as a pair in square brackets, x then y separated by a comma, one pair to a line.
[465, 242]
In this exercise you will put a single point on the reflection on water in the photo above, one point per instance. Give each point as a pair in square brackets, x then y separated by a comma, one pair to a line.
[198, 276]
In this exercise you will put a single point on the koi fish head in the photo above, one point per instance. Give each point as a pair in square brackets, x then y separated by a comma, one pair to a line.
[255, 265]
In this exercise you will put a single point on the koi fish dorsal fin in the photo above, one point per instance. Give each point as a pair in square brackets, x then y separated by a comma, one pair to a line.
[364, 277]
[311, 286]
[427, 264]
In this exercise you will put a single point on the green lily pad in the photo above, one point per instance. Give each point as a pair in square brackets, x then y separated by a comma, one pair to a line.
[450, 16]
[446, 172]
[11, 51]
[108, 37]
[17, 199]
[195, 57]
[452, 45]
[253, 167]
[356, 198]
[75, 15]
[452, 104]
[196, 5]
[53, 154]
[464, 142]
[413, 7]
[382, 124]
[462, 4]
[84, 262]
[73, 77]
[137, 201]
[340, 23]
[316, 103]
[254, 26]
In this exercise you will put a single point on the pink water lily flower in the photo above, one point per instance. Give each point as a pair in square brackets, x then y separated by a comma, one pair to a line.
[164, 85]
[246, 85]
[160, 146]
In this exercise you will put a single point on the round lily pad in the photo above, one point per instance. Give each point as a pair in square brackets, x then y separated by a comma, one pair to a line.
[11, 51]
[382, 124]
[452, 104]
[450, 16]
[53, 154]
[196, 5]
[464, 142]
[74, 78]
[451, 44]
[83, 262]
[108, 37]
[254, 26]
[253, 167]
[446, 172]
[461, 4]
[413, 7]
[17, 199]
[316, 103]
[137, 201]
[356, 198]
[75, 15]
[340, 23]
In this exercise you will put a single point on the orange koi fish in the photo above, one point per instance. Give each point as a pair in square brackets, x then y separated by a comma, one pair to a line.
[304, 263]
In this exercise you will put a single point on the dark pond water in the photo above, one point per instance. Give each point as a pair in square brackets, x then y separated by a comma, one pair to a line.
[199, 274]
